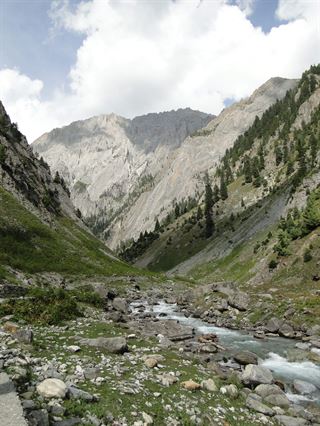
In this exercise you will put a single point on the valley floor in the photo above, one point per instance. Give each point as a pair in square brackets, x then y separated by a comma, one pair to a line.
[121, 363]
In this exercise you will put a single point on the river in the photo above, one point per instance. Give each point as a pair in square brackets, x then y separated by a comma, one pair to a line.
[272, 351]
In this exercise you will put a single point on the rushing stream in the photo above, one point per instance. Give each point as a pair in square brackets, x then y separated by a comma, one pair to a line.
[272, 351]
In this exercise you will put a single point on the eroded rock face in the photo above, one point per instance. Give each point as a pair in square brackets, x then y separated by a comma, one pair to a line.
[153, 159]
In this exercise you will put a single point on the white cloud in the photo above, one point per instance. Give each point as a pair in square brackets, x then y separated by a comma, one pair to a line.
[139, 57]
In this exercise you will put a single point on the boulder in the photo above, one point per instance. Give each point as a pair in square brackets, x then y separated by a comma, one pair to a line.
[273, 325]
[76, 393]
[255, 405]
[286, 331]
[290, 421]
[314, 331]
[256, 375]
[239, 300]
[266, 390]
[278, 400]
[304, 388]
[246, 357]
[120, 304]
[114, 345]
[52, 388]
[39, 417]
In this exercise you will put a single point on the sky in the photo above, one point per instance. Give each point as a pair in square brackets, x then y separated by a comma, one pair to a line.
[66, 60]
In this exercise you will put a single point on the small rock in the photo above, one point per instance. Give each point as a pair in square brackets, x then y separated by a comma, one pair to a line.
[191, 385]
[209, 385]
[73, 348]
[151, 362]
[167, 379]
[148, 420]
[230, 390]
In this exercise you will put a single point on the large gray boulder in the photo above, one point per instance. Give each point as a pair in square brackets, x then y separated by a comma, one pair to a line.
[273, 325]
[291, 421]
[246, 357]
[266, 390]
[120, 305]
[76, 393]
[256, 405]
[256, 375]
[114, 345]
[286, 331]
[52, 388]
[278, 400]
[239, 300]
[303, 387]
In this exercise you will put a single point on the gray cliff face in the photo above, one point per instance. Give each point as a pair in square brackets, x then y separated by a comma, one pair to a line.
[132, 171]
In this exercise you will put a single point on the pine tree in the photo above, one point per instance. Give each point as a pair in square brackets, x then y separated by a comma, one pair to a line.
[157, 226]
[177, 211]
[223, 188]
[313, 149]
[208, 209]
[285, 152]
[216, 194]
[247, 170]
[199, 214]
[278, 155]
[261, 157]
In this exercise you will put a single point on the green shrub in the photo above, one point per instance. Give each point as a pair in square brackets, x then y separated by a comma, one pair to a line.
[307, 256]
[273, 264]
[51, 306]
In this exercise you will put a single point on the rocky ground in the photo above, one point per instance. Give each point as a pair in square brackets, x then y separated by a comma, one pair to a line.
[123, 365]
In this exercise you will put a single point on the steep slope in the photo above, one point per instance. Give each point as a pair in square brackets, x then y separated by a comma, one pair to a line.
[39, 228]
[132, 184]
[267, 223]
[108, 161]
[270, 169]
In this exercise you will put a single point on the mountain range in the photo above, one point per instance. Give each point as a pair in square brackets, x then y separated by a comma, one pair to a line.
[124, 174]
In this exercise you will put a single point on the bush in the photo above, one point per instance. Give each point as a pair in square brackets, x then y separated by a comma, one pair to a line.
[273, 264]
[51, 306]
[307, 256]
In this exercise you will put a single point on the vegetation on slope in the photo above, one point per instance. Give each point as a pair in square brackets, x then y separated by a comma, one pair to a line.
[31, 246]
